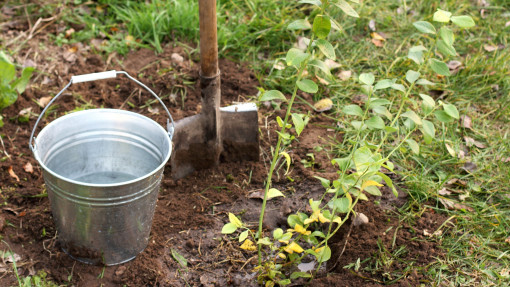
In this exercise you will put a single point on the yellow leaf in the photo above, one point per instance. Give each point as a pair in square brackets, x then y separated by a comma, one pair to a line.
[282, 256]
[318, 250]
[287, 159]
[234, 220]
[323, 219]
[376, 36]
[323, 105]
[300, 229]
[369, 183]
[248, 245]
[337, 220]
[293, 247]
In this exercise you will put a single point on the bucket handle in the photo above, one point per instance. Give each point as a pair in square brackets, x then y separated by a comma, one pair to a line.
[99, 76]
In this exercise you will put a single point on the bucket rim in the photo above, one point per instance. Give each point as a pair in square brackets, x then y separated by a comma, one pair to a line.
[103, 185]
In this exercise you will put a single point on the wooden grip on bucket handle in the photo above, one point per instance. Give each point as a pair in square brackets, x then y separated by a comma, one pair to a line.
[170, 125]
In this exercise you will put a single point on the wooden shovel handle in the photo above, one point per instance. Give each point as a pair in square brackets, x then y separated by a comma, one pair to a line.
[208, 38]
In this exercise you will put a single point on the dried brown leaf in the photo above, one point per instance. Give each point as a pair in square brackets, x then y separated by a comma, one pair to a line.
[507, 240]
[42, 102]
[344, 75]
[377, 43]
[323, 105]
[471, 142]
[470, 167]
[12, 174]
[28, 167]
[454, 65]
[332, 64]
[322, 81]
[450, 204]
[490, 48]
[259, 194]
[444, 191]
[465, 122]
[69, 33]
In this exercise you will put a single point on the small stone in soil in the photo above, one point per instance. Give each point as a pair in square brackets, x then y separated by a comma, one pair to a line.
[360, 219]
[177, 58]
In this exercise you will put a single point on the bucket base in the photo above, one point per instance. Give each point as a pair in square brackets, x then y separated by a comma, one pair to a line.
[96, 262]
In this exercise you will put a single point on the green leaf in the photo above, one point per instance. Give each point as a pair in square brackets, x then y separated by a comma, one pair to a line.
[445, 49]
[425, 82]
[442, 116]
[442, 16]
[326, 48]
[398, 87]
[234, 220]
[295, 57]
[390, 129]
[373, 190]
[24, 79]
[272, 95]
[451, 110]
[307, 86]
[273, 192]
[344, 6]
[375, 122]
[463, 21]
[416, 54]
[7, 72]
[321, 26]
[428, 100]
[413, 145]
[301, 24]
[277, 233]
[429, 130]
[284, 282]
[264, 241]
[179, 258]
[313, 2]
[367, 78]
[353, 110]
[425, 27]
[321, 65]
[413, 116]
[412, 76]
[343, 163]
[243, 235]
[378, 102]
[294, 219]
[447, 35]
[325, 182]
[388, 182]
[7, 97]
[296, 275]
[383, 84]
[324, 255]
[439, 67]
[382, 110]
[341, 205]
[299, 124]
[229, 228]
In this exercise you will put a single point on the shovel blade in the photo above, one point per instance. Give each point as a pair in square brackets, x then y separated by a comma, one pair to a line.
[240, 133]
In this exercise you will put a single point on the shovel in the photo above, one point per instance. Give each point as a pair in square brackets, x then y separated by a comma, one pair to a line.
[229, 133]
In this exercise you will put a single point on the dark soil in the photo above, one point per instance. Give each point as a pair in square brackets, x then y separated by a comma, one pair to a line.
[190, 212]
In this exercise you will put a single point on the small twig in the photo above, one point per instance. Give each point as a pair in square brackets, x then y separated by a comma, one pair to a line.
[3, 146]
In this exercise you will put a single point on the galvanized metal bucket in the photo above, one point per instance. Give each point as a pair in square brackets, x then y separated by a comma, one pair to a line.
[102, 169]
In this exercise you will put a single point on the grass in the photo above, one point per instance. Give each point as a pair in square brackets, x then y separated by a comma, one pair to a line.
[476, 244]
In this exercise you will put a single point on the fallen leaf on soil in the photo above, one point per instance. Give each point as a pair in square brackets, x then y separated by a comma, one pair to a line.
[450, 204]
[130, 40]
[507, 240]
[153, 111]
[490, 48]
[120, 270]
[377, 43]
[305, 267]
[436, 233]
[25, 112]
[177, 58]
[463, 197]
[503, 159]
[470, 167]
[332, 64]
[28, 168]
[12, 174]
[257, 194]
[10, 257]
[323, 105]
[42, 102]
[457, 181]
[360, 219]
[322, 81]
[470, 142]
[29, 63]
[444, 191]
[451, 151]
[69, 33]
[70, 54]
[465, 122]
[248, 245]
[279, 66]
[302, 43]
[454, 65]
[344, 75]
[371, 25]
[377, 36]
